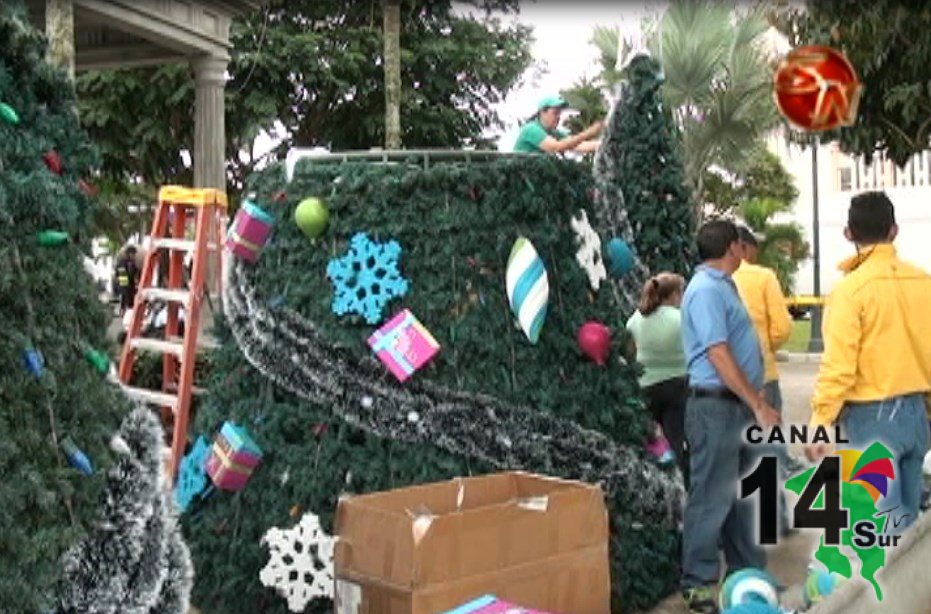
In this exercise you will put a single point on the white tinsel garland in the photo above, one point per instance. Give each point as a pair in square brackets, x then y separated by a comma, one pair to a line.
[134, 561]
[610, 209]
[289, 350]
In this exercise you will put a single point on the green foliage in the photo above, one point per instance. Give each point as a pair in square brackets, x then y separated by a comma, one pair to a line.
[718, 81]
[642, 137]
[763, 193]
[123, 209]
[766, 177]
[587, 97]
[887, 43]
[49, 303]
[311, 71]
[140, 145]
[456, 224]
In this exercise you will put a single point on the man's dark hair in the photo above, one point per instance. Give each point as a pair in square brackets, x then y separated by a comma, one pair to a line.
[870, 218]
[746, 236]
[714, 238]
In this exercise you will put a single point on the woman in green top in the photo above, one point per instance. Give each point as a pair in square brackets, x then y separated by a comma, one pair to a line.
[543, 134]
[655, 327]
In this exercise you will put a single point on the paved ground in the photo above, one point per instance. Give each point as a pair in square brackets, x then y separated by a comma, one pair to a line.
[788, 561]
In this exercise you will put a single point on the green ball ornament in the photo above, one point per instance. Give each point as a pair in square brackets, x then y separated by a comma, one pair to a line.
[311, 216]
[8, 114]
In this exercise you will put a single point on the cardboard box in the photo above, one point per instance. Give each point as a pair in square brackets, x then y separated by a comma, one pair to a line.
[536, 541]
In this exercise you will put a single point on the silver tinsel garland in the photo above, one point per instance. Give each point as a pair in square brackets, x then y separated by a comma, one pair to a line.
[290, 351]
[610, 209]
[135, 560]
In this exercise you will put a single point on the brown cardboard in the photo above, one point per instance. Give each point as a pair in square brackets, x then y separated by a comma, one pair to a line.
[536, 541]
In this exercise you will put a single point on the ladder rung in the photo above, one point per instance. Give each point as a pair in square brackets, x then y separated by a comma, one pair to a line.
[181, 245]
[162, 399]
[164, 346]
[196, 390]
[174, 296]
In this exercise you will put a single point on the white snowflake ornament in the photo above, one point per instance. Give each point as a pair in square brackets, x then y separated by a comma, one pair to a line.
[589, 254]
[300, 566]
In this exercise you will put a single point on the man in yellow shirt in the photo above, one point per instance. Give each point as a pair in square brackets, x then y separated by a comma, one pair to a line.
[876, 369]
[761, 294]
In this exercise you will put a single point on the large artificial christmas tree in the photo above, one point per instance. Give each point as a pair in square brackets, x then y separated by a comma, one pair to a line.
[58, 412]
[332, 420]
[640, 166]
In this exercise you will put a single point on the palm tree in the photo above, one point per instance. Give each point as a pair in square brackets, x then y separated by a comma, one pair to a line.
[392, 20]
[718, 81]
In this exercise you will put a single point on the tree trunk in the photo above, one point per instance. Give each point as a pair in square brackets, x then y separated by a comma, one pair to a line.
[59, 28]
[392, 63]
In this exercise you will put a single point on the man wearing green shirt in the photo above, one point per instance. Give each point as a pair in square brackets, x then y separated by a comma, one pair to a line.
[543, 135]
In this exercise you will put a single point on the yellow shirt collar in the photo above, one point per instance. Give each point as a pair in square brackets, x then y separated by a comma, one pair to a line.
[882, 251]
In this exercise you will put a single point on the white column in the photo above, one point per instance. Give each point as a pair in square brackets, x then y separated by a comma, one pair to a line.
[209, 122]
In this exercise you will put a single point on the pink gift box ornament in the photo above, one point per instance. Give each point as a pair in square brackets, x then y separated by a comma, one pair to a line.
[233, 457]
[249, 232]
[404, 345]
[488, 604]
[660, 449]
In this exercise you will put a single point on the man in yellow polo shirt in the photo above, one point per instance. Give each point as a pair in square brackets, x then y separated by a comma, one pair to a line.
[761, 294]
[876, 369]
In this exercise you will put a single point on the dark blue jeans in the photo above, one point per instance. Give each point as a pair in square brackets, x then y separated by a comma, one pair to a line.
[902, 425]
[714, 512]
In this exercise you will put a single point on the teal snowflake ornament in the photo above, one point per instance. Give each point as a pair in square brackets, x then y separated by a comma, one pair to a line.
[192, 478]
[366, 278]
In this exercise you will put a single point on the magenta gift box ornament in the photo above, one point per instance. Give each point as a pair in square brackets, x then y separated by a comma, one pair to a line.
[594, 340]
[489, 604]
[233, 458]
[404, 345]
[249, 232]
[660, 450]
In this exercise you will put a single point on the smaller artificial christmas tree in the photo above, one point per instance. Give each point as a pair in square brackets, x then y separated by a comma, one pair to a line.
[639, 167]
[135, 559]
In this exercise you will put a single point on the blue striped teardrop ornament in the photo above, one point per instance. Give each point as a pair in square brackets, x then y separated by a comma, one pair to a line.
[528, 287]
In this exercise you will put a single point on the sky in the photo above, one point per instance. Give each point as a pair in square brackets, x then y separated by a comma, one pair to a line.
[563, 32]
[562, 53]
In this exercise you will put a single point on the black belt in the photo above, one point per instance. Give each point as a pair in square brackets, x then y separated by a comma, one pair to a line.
[714, 393]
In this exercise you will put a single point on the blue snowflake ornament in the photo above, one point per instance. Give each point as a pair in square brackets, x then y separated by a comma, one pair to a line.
[192, 478]
[366, 278]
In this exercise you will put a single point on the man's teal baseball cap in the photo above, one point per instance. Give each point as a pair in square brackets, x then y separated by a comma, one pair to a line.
[551, 102]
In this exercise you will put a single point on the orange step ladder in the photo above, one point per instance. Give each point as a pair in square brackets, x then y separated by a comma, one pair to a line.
[177, 205]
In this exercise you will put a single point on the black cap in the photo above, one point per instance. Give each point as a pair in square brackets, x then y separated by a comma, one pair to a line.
[746, 236]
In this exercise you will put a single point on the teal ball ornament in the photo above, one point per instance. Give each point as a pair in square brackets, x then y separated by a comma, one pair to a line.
[819, 584]
[619, 257]
[748, 586]
[312, 217]
[753, 607]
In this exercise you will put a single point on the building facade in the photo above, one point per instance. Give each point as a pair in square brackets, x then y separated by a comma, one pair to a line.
[839, 177]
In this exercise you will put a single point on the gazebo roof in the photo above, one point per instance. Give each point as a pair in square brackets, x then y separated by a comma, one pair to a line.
[125, 33]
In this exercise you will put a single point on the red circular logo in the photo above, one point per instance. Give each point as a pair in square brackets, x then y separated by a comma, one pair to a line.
[816, 88]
